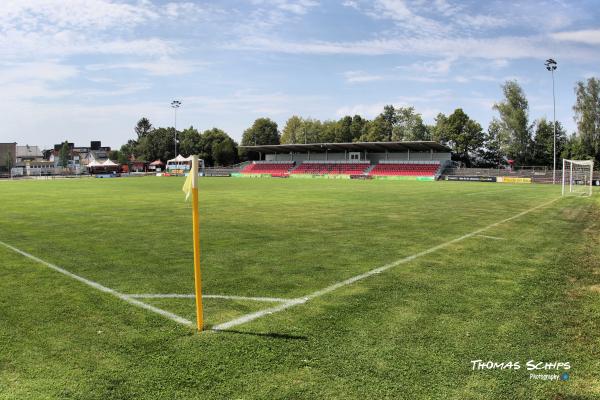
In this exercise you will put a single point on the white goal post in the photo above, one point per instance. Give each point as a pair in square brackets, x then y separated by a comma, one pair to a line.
[577, 177]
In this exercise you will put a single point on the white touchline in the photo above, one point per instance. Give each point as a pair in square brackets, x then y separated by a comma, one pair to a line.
[251, 317]
[102, 288]
[491, 237]
[206, 296]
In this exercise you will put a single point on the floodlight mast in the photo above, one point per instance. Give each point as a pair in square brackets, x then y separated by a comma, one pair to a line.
[551, 66]
[175, 104]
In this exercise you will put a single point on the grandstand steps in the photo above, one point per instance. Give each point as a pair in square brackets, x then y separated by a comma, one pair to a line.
[443, 166]
[294, 167]
[368, 170]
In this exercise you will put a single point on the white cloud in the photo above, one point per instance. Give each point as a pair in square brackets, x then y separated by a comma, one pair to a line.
[360, 77]
[38, 71]
[182, 10]
[163, 66]
[74, 14]
[250, 102]
[483, 21]
[587, 36]
[293, 6]
[436, 67]
[60, 28]
[21, 81]
[505, 47]
[401, 12]
[365, 110]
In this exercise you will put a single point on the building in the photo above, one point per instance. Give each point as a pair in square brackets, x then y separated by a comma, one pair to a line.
[81, 156]
[30, 161]
[400, 160]
[28, 153]
[40, 168]
[8, 156]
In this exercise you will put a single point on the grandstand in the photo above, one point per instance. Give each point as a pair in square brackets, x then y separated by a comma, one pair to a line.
[269, 168]
[400, 160]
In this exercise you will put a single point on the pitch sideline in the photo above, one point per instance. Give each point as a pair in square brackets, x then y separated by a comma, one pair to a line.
[259, 314]
[207, 296]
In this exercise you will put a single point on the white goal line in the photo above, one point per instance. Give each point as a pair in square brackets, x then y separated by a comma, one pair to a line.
[259, 314]
[206, 296]
[102, 288]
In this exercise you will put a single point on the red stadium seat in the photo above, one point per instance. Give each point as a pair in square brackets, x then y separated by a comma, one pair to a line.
[277, 169]
[331, 168]
[404, 169]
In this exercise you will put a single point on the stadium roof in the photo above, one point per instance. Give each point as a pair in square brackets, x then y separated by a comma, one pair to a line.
[355, 146]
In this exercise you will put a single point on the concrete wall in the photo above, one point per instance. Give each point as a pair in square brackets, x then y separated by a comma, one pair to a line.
[373, 157]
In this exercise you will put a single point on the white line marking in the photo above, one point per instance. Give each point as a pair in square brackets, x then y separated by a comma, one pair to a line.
[251, 317]
[102, 288]
[206, 296]
[255, 315]
[491, 237]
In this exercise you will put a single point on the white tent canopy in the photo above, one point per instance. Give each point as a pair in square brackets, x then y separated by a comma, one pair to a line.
[179, 158]
[106, 163]
[94, 163]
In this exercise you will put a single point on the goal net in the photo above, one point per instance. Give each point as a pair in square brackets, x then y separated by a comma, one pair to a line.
[577, 177]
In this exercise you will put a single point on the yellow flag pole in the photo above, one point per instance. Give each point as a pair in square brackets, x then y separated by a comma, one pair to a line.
[196, 238]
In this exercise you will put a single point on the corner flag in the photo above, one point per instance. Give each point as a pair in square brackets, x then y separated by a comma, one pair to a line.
[191, 186]
[191, 178]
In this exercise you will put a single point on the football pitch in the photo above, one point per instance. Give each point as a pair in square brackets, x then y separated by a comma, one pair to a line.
[314, 288]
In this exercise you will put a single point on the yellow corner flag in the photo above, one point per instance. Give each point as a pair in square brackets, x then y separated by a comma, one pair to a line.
[189, 181]
[191, 186]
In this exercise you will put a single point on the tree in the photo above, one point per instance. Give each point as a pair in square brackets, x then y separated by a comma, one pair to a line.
[408, 125]
[437, 130]
[130, 148]
[574, 149]
[375, 131]
[587, 116]
[8, 160]
[396, 124]
[514, 119]
[312, 130]
[158, 144]
[344, 130]
[209, 140]
[463, 135]
[63, 154]
[143, 128]
[262, 131]
[543, 142]
[329, 132]
[118, 156]
[357, 127]
[292, 133]
[388, 120]
[224, 152]
[190, 142]
[490, 155]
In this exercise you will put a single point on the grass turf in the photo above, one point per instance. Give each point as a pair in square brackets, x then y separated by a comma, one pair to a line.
[410, 332]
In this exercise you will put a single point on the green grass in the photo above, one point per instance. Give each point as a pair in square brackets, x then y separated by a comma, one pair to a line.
[410, 332]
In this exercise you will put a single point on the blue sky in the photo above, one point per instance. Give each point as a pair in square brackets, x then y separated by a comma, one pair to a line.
[89, 69]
